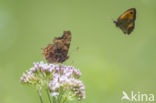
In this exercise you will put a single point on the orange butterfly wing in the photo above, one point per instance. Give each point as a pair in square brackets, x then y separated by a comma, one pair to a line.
[129, 14]
[126, 22]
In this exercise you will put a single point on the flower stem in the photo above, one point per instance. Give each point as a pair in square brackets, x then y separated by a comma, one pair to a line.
[54, 100]
[60, 95]
[41, 99]
[49, 96]
[65, 100]
[39, 93]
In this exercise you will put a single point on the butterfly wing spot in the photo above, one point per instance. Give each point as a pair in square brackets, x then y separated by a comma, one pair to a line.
[131, 12]
[130, 27]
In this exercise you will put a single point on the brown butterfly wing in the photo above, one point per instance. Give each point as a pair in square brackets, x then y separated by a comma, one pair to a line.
[58, 51]
[126, 22]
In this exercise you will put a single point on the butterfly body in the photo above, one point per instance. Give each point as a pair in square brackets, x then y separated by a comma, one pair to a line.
[126, 22]
[57, 52]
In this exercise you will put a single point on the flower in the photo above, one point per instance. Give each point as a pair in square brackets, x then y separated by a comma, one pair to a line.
[66, 78]
[28, 77]
[62, 81]
[39, 75]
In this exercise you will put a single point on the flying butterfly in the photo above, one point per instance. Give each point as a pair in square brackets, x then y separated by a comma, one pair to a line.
[126, 22]
[58, 51]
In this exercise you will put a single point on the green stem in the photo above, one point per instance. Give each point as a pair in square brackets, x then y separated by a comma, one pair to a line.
[39, 93]
[65, 100]
[49, 96]
[54, 100]
[60, 95]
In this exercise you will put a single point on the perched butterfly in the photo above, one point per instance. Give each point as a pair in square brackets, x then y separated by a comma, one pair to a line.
[57, 52]
[126, 22]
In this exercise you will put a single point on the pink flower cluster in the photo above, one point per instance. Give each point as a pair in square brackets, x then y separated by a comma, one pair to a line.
[66, 78]
[57, 77]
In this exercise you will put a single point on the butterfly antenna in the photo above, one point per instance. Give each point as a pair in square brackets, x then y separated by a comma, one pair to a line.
[71, 63]
[73, 51]
[113, 20]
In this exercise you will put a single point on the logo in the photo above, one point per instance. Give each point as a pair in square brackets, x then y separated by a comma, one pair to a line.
[137, 97]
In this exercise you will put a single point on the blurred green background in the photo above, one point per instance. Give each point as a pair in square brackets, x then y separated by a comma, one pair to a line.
[109, 60]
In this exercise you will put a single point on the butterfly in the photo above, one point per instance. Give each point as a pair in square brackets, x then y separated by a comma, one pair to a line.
[58, 51]
[126, 22]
